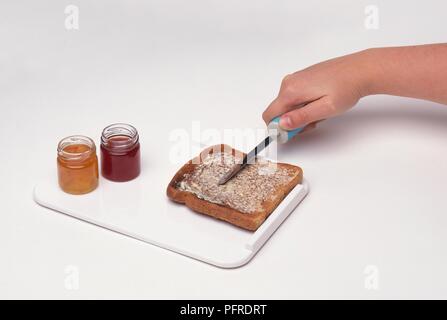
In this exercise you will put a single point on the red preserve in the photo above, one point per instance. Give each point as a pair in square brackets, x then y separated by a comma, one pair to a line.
[120, 153]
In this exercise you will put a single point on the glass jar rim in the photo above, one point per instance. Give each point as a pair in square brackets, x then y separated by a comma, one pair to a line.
[117, 130]
[76, 140]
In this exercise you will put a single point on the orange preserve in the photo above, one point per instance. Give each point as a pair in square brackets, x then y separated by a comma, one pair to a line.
[77, 165]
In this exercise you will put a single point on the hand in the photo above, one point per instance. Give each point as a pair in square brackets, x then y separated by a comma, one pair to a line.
[321, 91]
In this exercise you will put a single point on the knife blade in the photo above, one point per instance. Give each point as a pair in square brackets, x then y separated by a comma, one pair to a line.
[248, 158]
[275, 133]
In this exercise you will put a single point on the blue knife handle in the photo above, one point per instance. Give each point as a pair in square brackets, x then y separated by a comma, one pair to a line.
[283, 135]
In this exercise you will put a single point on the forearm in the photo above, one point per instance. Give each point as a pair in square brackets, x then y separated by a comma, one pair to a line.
[414, 71]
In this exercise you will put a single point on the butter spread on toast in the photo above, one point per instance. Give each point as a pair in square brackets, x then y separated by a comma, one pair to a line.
[245, 192]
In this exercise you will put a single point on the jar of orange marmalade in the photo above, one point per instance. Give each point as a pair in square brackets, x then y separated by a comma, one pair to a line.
[77, 165]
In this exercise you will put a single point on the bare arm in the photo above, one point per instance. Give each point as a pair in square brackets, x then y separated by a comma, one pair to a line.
[334, 86]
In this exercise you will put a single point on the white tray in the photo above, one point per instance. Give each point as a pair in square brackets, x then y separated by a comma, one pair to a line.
[141, 210]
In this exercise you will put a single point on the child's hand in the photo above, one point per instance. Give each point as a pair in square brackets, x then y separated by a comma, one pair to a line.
[327, 89]
[334, 86]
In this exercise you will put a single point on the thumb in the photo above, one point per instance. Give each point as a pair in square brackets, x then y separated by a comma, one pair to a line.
[316, 110]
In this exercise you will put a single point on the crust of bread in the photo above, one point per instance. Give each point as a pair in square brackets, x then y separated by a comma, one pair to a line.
[248, 221]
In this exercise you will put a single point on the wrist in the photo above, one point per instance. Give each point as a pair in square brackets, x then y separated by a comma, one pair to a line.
[370, 71]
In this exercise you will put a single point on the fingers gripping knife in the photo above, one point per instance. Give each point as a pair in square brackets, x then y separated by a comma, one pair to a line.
[274, 133]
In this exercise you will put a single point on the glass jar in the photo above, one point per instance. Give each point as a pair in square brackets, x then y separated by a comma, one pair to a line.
[77, 165]
[120, 153]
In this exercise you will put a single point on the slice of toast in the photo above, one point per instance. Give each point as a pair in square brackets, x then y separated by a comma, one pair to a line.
[246, 200]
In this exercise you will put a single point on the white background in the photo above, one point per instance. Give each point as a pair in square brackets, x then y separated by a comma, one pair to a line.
[378, 174]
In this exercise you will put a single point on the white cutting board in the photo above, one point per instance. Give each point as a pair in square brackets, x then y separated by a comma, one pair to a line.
[141, 210]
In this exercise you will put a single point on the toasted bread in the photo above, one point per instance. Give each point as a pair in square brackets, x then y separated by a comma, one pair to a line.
[255, 194]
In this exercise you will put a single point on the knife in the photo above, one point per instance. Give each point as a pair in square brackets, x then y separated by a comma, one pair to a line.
[274, 133]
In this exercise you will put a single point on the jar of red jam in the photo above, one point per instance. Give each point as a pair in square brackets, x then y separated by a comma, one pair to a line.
[77, 165]
[120, 153]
